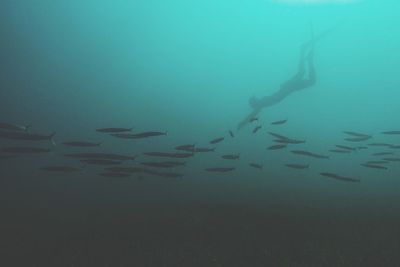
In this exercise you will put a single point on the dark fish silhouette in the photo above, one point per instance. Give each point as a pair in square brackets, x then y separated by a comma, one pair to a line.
[297, 166]
[256, 129]
[125, 169]
[220, 169]
[253, 119]
[164, 174]
[175, 163]
[374, 166]
[188, 147]
[395, 147]
[374, 162]
[231, 133]
[356, 134]
[115, 174]
[204, 149]
[26, 136]
[66, 169]
[391, 159]
[256, 165]
[81, 144]
[279, 136]
[107, 156]
[338, 177]
[231, 156]
[391, 132]
[306, 153]
[157, 164]
[380, 144]
[217, 140]
[346, 147]
[278, 122]
[382, 153]
[100, 161]
[113, 130]
[13, 127]
[275, 147]
[169, 155]
[339, 151]
[357, 139]
[290, 141]
[148, 134]
[24, 150]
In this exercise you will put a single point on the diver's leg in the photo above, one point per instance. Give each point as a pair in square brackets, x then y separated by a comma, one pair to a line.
[312, 77]
[301, 70]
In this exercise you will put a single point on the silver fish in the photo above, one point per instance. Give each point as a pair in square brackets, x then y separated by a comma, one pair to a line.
[13, 127]
[26, 136]
[279, 122]
[391, 132]
[374, 166]
[297, 166]
[217, 140]
[231, 156]
[275, 147]
[100, 161]
[24, 150]
[113, 130]
[81, 144]
[306, 153]
[356, 134]
[220, 169]
[66, 169]
[107, 156]
[338, 177]
[256, 165]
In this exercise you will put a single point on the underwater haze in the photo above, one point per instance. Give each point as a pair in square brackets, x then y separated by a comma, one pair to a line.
[126, 139]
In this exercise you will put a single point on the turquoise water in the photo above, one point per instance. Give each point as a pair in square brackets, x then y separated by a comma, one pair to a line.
[189, 68]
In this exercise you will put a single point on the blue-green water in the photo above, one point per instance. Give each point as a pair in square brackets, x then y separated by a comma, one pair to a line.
[189, 68]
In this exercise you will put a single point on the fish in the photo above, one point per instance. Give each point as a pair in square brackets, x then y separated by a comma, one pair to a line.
[81, 144]
[279, 122]
[391, 159]
[306, 153]
[391, 132]
[357, 139]
[339, 150]
[256, 129]
[113, 130]
[24, 150]
[100, 161]
[382, 153]
[164, 174]
[168, 155]
[26, 136]
[123, 135]
[279, 136]
[374, 166]
[231, 156]
[125, 169]
[107, 156]
[346, 147]
[362, 147]
[297, 166]
[66, 169]
[188, 147]
[115, 174]
[231, 134]
[253, 119]
[338, 177]
[395, 147]
[275, 147]
[175, 163]
[290, 141]
[157, 164]
[14, 127]
[220, 169]
[204, 149]
[380, 144]
[374, 162]
[217, 140]
[149, 134]
[256, 165]
[356, 134]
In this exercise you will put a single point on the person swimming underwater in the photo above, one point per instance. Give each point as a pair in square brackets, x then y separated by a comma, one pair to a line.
[298, 82]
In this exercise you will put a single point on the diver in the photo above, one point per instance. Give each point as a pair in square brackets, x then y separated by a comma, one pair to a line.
[302, 80]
